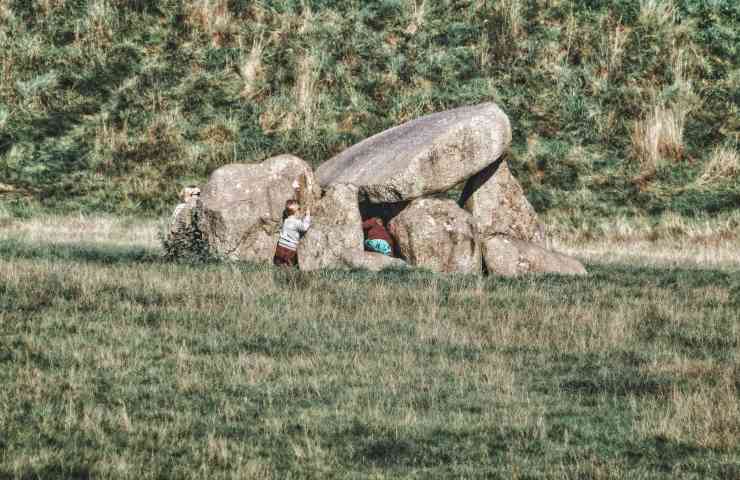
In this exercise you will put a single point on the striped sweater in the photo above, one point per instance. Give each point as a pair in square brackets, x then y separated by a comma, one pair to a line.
[292, 229]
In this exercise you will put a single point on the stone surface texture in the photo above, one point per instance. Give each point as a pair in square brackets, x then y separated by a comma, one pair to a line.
[511, 257]
[497, 201]
[336, 229]
[371, 261]
[422, 157]
[242, 205]
[438, 235]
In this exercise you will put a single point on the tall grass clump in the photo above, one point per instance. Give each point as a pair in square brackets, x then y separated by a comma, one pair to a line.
[708, 418]
[252, 69]
[658, 138]
[212, 17]
[723, 165]
[657, 13]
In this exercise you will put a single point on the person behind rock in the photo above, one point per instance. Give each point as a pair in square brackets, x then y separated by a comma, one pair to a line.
[189, 197]
[377, 238]
[290, 233]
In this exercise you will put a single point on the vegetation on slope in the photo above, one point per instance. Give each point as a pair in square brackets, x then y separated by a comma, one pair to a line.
[620, 106]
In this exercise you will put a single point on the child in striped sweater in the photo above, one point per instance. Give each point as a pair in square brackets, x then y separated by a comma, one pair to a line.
[290, 234]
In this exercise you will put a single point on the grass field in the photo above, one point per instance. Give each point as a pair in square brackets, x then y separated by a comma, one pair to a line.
[117, 364]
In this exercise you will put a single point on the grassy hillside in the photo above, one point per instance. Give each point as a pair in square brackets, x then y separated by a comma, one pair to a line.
[617, 106]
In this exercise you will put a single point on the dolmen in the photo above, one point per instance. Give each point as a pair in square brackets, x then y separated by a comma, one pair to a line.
[405, 175]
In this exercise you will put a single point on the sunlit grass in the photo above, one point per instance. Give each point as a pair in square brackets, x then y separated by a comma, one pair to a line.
[117, 364]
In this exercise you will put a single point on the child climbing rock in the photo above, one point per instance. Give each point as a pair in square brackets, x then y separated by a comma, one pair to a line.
[377, 238]
[290, 233]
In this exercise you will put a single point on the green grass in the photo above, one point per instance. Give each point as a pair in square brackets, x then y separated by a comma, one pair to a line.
[113, 106]
[117, 364]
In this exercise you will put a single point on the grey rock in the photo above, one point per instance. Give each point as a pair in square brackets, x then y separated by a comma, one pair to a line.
[438, 235]
[511, 257]
[497, 201]
[242, 205]
[338, 206]
[371, 261]
[425, 156]
[336, 230]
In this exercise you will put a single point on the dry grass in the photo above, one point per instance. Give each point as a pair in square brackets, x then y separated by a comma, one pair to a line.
[212, 17]
[252, 70]
[47, 7]
[240, 371]
[613, 46]
[723, 165]
[658, 138]
[708, 417]
[512, 12]
[114, 231]
[306, 89]
[417, 12]
[671, 241]
[658, 13]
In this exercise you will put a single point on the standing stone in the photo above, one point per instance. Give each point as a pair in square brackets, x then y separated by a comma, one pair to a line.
[497, 201]
[336, 229]
[242, 205]
[438, 235]
[511, 257]
[425, 156]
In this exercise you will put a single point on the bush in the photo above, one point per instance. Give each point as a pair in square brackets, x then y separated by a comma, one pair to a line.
[185, 242]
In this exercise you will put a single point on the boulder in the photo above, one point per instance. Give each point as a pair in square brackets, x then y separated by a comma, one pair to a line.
[438, 235]
[425, 156]
[511, 257]
[336, 229]
[497, 201]
[242, 205]
[338, 206]
[371, 261]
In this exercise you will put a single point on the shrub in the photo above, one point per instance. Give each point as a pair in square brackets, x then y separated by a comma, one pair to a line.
[658, 138]
[723, 164]
[185, 242]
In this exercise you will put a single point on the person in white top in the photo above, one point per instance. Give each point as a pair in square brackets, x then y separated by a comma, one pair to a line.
[294, 226]
[189, 197]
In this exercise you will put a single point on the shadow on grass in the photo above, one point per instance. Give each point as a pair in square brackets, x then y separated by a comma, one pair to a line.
[82, 252]
[55, 470]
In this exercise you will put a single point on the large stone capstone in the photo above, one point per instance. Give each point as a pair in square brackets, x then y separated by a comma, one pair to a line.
[438, 235]
[497, 201]
[511, 257]
[425, 156]
[242, 205]
[336, 229]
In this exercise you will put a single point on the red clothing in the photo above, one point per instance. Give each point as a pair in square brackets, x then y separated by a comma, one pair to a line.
[285, 257]
[375, 230]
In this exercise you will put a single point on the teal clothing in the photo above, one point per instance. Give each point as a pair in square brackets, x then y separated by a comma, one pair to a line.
[380, 246]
